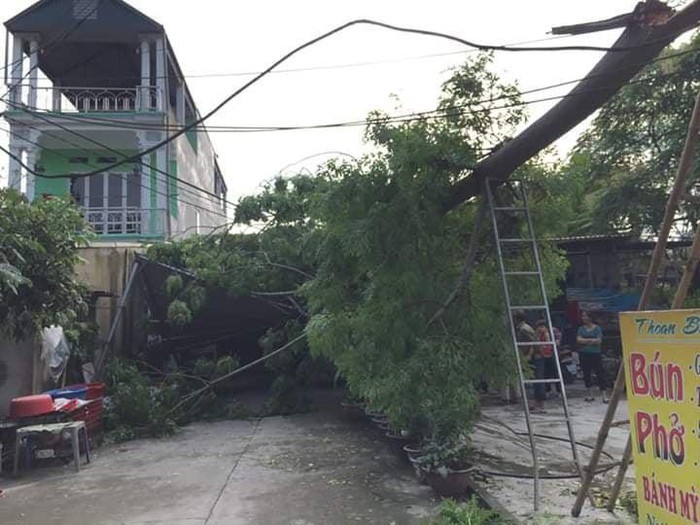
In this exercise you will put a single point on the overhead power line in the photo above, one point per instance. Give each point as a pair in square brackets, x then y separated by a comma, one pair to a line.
[327, 67]
[445, 112]
[138, 158]
[338, 29]
[121, 177]
[50, 44]
[83, 150]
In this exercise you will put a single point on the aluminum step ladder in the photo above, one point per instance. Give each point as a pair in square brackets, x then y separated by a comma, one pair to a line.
[514, 208]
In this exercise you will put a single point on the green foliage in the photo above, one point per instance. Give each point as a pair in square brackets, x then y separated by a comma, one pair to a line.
[294, 370]
[628, 501]
[135, 409]
[173, 286]
[38, 256]
[210, 370]
[388, 256]
[84, 337]
[11, 279]
[468, 513]
[633, 148]
[179, 313]
[363, 256]
[443, 457]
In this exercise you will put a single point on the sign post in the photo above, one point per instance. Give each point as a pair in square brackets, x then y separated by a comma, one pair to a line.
[661, 352]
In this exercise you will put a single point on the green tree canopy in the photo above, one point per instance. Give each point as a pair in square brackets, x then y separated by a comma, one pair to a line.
[370, 255]
[38, 255]
[626, 161]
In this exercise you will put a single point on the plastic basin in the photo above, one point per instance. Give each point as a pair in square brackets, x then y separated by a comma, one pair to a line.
[29, 406]
[70, 392]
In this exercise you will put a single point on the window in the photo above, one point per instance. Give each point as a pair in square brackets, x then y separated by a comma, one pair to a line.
[220, 186]
[112, 201]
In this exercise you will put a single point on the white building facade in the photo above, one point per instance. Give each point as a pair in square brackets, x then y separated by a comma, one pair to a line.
[94, 83]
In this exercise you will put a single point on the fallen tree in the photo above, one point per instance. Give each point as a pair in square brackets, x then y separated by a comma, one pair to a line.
[644, 38]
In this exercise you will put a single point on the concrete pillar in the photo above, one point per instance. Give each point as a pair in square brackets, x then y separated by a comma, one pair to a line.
[145, 174]
[33, 72]
[14, 175]
[31, 178]
[17, 68]
[162, 166]
[56, 103]
[145, 104]
[160, 73]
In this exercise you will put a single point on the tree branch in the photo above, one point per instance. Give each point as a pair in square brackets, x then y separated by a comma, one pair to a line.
[237, 371]
[286, 267]
[463, 281]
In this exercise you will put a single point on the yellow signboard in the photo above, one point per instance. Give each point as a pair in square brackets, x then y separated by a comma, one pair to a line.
[661, 351]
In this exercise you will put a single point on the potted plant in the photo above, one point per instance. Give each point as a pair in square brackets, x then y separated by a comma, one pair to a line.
[353, 408]
[446, 466]
[398, 439]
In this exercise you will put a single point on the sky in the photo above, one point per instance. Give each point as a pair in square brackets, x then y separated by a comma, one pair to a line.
[219, 44]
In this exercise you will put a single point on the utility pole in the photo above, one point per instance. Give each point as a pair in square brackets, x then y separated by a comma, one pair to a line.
[649, 32]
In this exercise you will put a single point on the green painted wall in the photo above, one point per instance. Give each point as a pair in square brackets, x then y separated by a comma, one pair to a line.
[173, 193]
[193, 136]
[57, 162]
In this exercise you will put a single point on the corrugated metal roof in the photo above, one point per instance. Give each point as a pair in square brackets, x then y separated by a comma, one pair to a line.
[599, 237]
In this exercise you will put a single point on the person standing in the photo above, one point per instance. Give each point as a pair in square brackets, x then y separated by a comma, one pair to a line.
[531, 354]
[589, 339]
[547, 352]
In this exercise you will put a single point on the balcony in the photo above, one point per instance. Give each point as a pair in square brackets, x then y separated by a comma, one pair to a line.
[92, 100]
[126, 221]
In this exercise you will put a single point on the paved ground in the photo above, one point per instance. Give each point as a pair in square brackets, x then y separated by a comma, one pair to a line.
[310, 469]
[504, 448]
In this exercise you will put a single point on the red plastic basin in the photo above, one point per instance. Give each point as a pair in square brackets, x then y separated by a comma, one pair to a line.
[29, 406]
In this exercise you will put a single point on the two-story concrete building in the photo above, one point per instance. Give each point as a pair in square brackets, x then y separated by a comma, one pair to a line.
[89, 84]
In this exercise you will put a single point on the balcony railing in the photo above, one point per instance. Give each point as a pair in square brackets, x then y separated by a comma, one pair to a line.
[92, 100]
[126, 221]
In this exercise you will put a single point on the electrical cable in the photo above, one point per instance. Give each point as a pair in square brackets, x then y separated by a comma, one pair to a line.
[340, 66]
[194, 124]
[404, 118]
[514, 475]
[121, 176]
[84, 150]
[46, 47]
[396, 118]
[79, 148]
[48, 120]
[390, 119]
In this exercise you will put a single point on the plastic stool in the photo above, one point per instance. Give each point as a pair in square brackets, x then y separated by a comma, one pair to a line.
[72, 429]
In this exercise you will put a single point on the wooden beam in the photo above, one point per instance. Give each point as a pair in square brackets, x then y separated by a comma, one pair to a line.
[608, 76]
[679, 184]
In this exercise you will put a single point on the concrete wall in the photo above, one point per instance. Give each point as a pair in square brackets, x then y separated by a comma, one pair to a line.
[17, 370]
[196, 167]
[105, 269]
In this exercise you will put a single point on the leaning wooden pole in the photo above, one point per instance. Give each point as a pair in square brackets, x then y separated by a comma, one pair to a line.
[677, 191]
[678, 300]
